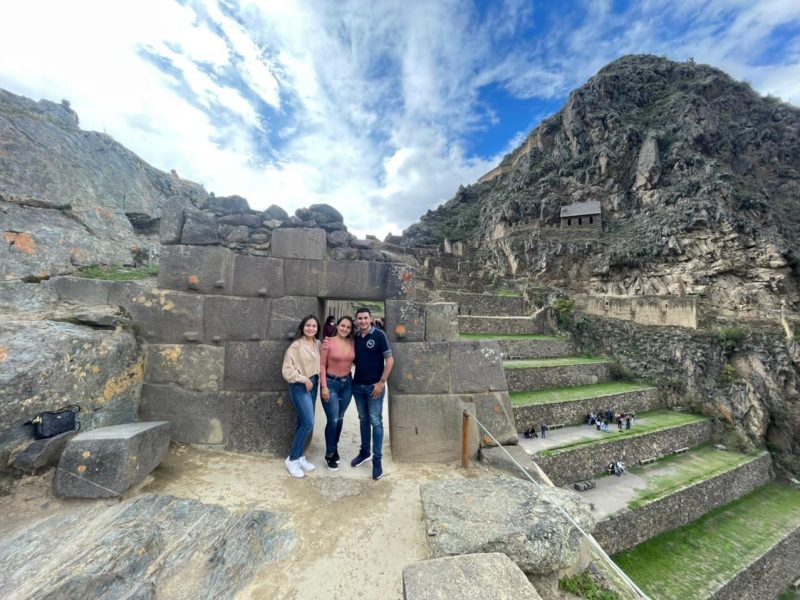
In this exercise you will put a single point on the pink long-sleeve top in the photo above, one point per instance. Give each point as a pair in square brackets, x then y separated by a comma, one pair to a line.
[335, 361]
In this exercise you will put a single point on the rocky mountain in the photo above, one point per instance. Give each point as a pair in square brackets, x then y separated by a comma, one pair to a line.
[69, 197]
[697, 175]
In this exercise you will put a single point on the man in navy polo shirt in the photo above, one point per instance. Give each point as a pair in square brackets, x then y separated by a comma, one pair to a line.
[374, 362]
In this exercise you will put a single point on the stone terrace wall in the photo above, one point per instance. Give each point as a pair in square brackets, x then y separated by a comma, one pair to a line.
[572, 412]
[768, 576]
[486, 304]
[539, 378]
[631, 527]
[583, 463]
[646, 310]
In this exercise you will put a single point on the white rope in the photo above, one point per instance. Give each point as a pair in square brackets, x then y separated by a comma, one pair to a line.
[563, 511]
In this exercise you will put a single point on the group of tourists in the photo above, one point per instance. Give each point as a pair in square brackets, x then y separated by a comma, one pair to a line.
[605, 419]
[311, 365]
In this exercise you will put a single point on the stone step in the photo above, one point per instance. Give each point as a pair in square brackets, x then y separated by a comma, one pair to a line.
[527, 347]
[540, 374]
[579, 452]
[744, 549]
[671, 492]
[503, 325]
[470, 303]
[570, 405]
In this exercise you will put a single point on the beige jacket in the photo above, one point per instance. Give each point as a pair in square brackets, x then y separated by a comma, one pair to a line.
[299, 363]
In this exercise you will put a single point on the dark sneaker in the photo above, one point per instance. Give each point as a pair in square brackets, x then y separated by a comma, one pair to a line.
[360, 459]
[332, 464]
[336, 457]
[377, 470]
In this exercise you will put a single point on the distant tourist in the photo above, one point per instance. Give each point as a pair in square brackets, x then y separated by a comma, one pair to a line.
[545, 429]
[374, 362]
[619, 423]
[530, 433]
[330, 327]
[628, 422]
[336, 363]
[301, 370]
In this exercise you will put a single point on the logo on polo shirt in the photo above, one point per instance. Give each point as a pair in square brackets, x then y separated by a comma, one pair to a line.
[370, 344]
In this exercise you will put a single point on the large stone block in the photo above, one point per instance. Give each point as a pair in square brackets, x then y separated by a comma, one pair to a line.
[196, 417]
[441, 322]
[305, 277]
[105, 462]
[257, 276]
[405, 320]
[81, 289]
[356, 279]
[494, 411]
[171, 225]
[286, 314]
[226, 318]
[199, 228]
[194, 367]
[254, 366]
[299, 243]
[196, 269]
[421, 368]
[164, 316]
[477, 367]
[490, 576]
[428, 428]
[400, 282]
[39, 454]
[262, 422]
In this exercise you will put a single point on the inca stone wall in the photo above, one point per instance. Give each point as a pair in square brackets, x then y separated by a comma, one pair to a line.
[584, 463]
[646, 310]
[634, 526]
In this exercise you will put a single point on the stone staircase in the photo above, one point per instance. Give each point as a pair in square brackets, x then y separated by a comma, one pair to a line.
[675, 479]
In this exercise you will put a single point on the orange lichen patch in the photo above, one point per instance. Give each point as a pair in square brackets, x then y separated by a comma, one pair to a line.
[82, 469]
[23, 242]
[121, 383]
[171, 354]
[487, 440]
[86, 454]
[104, 212]
[725, 413]
[3, 354]
[400, 330]
[194, 280]
[410, 376]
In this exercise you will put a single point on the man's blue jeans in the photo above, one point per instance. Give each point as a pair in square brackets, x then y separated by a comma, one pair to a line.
[341, 392]
[370, 417]
[303, 401]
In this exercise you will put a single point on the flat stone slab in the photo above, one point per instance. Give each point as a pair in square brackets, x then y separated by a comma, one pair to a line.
[490, 576]
[105, 462]
[41, 453]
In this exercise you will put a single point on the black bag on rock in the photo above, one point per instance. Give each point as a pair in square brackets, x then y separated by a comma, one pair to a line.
[48, 424]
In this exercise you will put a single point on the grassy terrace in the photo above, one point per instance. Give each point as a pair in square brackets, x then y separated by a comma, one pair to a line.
[676, 472]
[553, 362]
[647, 422]
[510, 336]
[691, 562]
[577, 392]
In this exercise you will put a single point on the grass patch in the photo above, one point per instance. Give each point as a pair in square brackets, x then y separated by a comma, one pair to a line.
[507, 293]
[511, 337]
[693, 561]
[648, 422]
[554, 362]
[578, 392]
[584, 586]
[117, 272]
[686, 469]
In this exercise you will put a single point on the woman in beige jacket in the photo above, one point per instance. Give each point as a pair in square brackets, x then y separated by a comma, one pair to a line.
[301, 371]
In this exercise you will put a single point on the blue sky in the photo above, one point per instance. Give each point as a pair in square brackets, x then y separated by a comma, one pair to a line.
[380, 108]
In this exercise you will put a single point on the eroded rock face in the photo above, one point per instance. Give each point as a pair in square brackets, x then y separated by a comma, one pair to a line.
[152, 546]
[70, 197]
[505, 515]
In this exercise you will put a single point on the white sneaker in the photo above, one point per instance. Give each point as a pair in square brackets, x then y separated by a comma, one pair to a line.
[307, 466]
[294, 468]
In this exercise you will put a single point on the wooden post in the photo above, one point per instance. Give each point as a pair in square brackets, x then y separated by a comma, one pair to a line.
[465, 440]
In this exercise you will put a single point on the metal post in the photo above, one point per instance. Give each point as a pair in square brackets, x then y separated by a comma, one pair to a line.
[465, 440]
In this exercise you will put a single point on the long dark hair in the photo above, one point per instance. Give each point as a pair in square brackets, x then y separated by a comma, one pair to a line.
[352, 324]
[302, 325]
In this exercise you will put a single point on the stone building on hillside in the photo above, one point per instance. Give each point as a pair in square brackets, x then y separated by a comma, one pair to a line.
[582, 215]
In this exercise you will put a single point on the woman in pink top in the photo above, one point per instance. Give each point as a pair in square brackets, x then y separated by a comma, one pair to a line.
[335, 365]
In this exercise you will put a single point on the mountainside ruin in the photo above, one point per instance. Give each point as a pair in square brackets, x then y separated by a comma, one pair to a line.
[697, 175]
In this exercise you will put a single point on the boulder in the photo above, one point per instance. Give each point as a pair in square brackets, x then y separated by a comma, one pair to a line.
[105, 462]
[325, 213]
[507, 515]
[41, 453]
[275, 212]
[491, 576]
[339, 238]
[199, 228]
[225, 205]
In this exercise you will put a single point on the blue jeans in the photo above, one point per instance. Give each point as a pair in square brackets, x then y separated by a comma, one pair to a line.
[370, 417]
[303, 401]
[341, 392]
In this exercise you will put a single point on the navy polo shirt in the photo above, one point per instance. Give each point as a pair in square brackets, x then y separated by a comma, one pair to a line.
[371, 350]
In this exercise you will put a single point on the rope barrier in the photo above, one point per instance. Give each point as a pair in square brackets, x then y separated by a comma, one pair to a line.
[628, 581]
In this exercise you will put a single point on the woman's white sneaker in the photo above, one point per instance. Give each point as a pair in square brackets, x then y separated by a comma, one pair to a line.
[294, 467]
[306, 466]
